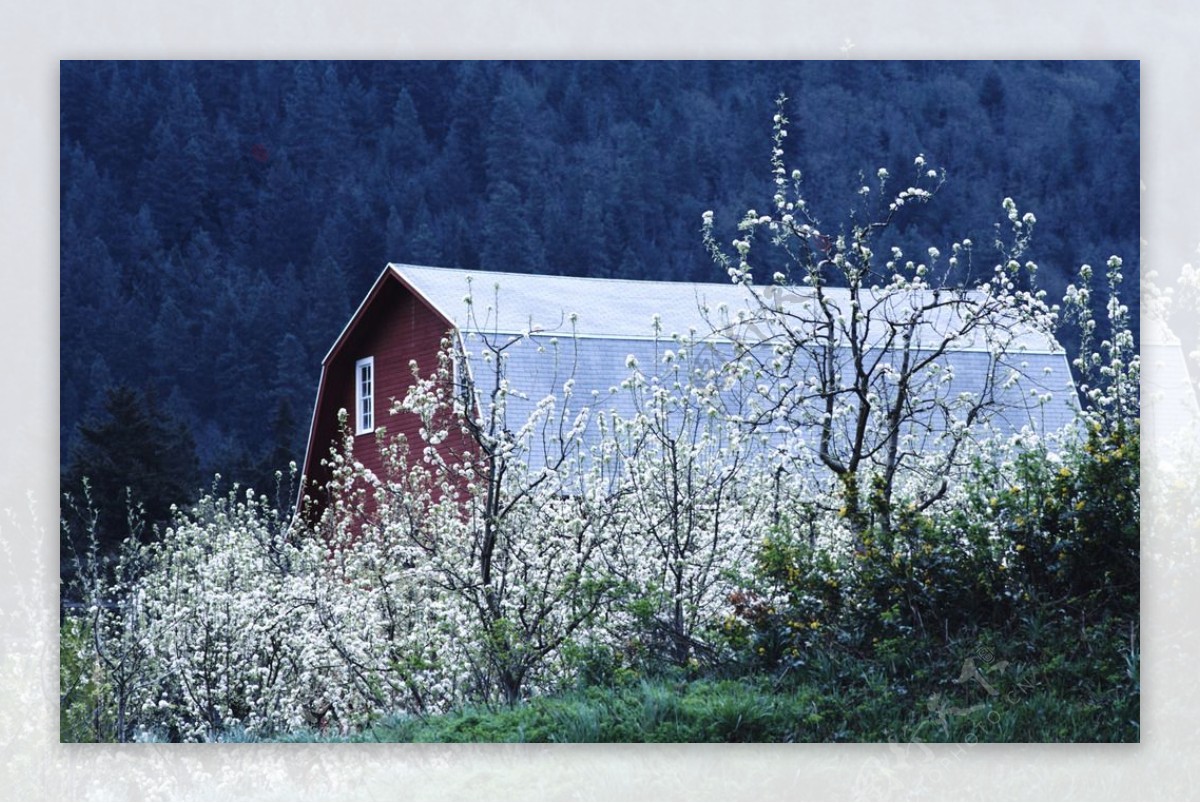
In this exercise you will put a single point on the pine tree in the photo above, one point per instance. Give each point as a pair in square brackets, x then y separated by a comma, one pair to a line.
[510, 243]
[132, 457]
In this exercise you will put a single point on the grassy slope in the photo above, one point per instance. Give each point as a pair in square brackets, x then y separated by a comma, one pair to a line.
[1081, 689]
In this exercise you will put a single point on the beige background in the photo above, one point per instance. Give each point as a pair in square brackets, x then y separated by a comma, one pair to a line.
[34, 36]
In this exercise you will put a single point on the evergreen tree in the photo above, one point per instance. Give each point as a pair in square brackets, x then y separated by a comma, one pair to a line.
[174, 176]
[406, 148]
[513, 144]
[133, 458]
[295, 378]
[423, 247]
[510, 243]
[395, 235]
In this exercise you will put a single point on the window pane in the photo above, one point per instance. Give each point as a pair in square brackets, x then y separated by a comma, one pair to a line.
[364, 395]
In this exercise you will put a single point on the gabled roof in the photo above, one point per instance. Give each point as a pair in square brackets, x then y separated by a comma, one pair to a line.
[514, 303]
[624, 309]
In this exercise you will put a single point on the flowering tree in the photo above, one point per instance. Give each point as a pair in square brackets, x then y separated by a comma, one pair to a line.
[1109, 372]
[689, 507]
[848, 346]
[223, 626]
[384, 617]
[112, 660]
[524, 516]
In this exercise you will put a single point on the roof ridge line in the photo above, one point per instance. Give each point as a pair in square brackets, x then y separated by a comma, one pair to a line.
[607, 279]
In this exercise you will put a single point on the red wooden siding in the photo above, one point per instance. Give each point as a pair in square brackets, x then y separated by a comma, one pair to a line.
[395, 327]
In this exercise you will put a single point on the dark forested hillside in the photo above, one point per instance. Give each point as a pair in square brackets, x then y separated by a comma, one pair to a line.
[220, 221]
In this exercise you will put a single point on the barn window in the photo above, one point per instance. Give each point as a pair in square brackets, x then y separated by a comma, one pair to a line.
[364, 395]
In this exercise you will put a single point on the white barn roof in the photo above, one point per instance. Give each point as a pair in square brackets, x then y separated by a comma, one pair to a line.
[513, 303]
[614, 321]
[516, 303]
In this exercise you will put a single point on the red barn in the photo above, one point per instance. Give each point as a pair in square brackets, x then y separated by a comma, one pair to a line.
[558, 329]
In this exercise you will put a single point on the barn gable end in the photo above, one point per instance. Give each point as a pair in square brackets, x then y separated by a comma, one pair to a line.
[394, 326]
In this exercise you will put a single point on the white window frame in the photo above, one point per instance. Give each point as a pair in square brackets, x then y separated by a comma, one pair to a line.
[364, 396]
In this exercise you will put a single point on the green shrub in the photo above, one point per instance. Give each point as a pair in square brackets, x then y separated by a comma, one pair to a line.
[85, 712]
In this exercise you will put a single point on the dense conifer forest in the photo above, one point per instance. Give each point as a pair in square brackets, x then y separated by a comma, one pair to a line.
[220, 221]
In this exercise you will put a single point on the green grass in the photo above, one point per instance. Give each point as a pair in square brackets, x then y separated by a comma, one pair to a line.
[1056, 682]
[843, 699]
[1048, 679]
[649, 711]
